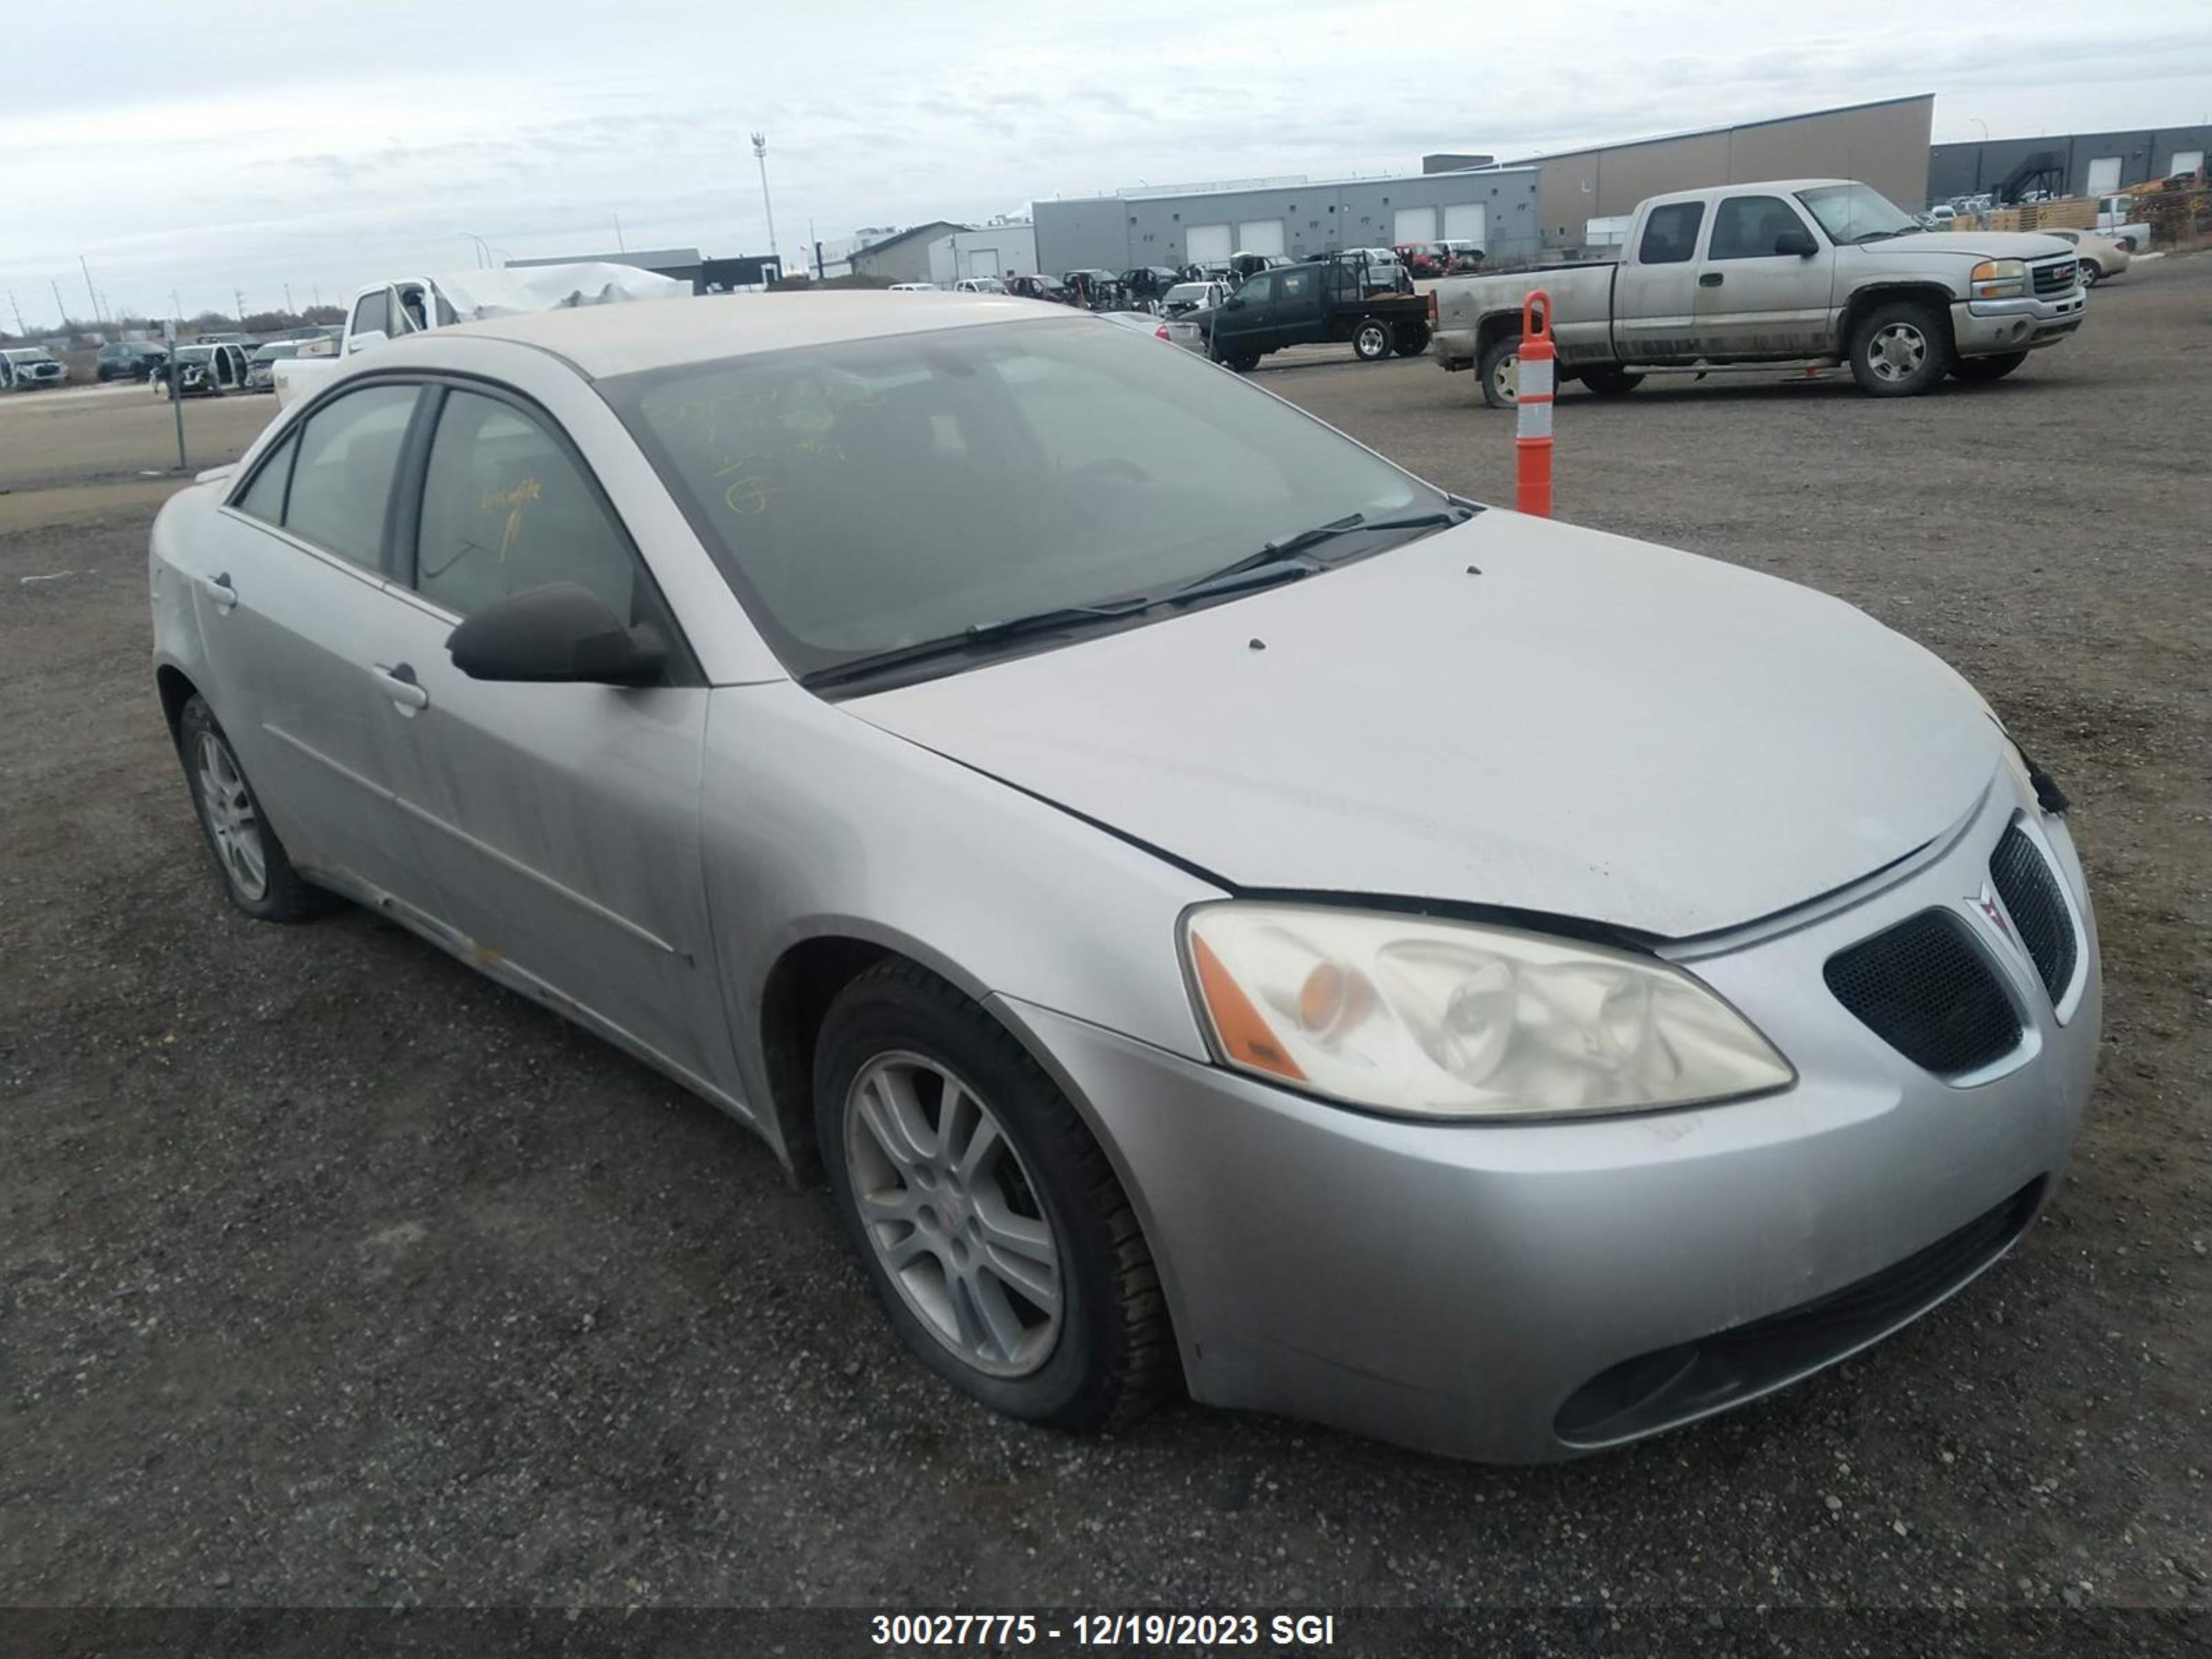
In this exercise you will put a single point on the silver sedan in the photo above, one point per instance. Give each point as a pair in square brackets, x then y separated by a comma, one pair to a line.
[1218, 912]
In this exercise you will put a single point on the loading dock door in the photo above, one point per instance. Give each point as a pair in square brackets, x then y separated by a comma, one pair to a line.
[1259, 236]
[1465, 221]
[1413, 225]
[981, 261]
[1208, 245]
[2103, 175]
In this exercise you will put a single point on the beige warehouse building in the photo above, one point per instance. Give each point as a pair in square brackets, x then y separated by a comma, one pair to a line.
[1885, 145]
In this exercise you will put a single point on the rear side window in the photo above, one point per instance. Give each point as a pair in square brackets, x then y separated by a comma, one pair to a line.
[1746, 227]
[505, 509]
[1670, 234]
[1294, 285]
[342, 476]
[264, 497]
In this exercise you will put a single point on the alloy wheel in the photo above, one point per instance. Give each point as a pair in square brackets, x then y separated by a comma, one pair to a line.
[952, 1215]
[1505, 379]
[1371, 340]
[233, 824]
[1897, 351]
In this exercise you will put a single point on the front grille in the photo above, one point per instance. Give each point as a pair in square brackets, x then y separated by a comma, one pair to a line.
[2032, 895]
[1924, 988]
[2058, 277]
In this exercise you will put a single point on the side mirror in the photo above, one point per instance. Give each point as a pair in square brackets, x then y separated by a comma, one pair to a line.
[559, 633]
[366, 338]
[1798, 242]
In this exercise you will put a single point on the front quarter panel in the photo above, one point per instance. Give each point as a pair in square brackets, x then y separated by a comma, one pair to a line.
[818, 824]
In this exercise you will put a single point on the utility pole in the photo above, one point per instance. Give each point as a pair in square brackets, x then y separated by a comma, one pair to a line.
[621, 247]
[16, 306]
[238, 298]
[63, 325]
[90, 290]
[760, 154]
[288, 301]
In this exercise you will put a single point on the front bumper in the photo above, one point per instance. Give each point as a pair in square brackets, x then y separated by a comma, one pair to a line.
[1505, 1292]
[1981, 328]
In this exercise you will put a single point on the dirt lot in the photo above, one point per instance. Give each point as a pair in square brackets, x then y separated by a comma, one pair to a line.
[331, 1273]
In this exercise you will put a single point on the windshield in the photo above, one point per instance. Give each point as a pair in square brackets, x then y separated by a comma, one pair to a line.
[877, 494]
[1851, 213]
[28, 353]
[195, 354]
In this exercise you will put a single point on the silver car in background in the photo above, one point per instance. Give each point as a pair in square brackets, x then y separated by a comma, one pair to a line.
[1218, 911]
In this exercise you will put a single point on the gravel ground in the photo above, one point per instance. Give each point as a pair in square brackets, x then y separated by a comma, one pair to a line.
[332, 1274]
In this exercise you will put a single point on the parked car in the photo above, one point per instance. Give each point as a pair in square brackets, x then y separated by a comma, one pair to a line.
[1307, 304]
[1424, 259]
[1464, 255]
[1038, 286]
[912, 287]
[1380, 270]
[1242, 265]
[1802, 270]
[261, 363]
[978, 285]
[1942, 213]
[2102, 257]
[201, 370]
[1081, 844]
[128, 360]
[30, 367]
[1147, 284]
[1193, 296]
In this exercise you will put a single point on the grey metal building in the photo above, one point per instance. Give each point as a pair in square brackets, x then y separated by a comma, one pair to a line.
[1494, 208]
[2067, 164]
[904, 257]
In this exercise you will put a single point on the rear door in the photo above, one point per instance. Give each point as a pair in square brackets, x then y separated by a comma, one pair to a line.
[1654, 294]
[561, 821]
[1753, 302]
[301, 635]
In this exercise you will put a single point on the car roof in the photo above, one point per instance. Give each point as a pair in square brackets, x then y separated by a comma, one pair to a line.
[607, 340]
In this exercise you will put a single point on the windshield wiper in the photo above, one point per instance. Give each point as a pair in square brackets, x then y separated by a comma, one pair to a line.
[1282, 557]
[976, 634]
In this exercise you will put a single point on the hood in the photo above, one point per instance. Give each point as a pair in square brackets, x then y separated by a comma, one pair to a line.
[1978, 243]
[1591, 727]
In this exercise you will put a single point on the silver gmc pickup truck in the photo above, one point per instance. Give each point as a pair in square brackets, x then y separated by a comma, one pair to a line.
[1813, 272]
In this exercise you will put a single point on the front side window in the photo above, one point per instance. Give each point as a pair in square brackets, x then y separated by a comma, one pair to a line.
[373, 312]
[349, 455]
[882, 493]
[1257, 290]
[505, 509]
[1670, 234]
[1747, 226]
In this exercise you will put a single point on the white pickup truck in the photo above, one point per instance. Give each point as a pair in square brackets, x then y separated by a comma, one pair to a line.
[409, 304]
[1803, 271]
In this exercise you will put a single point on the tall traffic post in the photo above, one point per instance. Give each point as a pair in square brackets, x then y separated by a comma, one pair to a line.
[1536, 378]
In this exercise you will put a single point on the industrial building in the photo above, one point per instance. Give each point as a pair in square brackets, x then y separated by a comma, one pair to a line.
[2069, 164]
[1884, 144]
[903, 257]
[1004, 247]
[1202, 224]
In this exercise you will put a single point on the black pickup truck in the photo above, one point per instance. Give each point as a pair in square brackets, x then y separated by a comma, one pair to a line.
[1306, 304]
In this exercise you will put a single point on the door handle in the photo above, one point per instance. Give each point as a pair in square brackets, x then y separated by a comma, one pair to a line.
[219, 591]
[398, 682]
[1711, 279]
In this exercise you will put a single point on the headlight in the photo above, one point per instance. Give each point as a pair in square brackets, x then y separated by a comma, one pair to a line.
[1452, 1020]
[2000, 279]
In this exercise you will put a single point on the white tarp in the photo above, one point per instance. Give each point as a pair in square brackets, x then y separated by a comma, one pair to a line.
[513, 292]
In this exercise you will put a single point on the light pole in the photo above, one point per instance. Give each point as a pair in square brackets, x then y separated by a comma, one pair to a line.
[760, 154]
[483, 249]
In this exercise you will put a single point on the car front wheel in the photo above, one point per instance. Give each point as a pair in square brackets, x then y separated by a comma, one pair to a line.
[1979, 371]
[1898, 349]
[997, 1238]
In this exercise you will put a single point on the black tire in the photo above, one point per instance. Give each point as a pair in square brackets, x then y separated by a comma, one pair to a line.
[1413, 340]
[1244, 362]
[285, 896]
[1898, 349]
[1113, 1357]
[1501, 363]
[1372, 338]
[1980, 371]
[1608, 382]
[2092, 273]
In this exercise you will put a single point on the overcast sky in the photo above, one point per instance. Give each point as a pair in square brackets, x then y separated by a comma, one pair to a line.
[322, 144]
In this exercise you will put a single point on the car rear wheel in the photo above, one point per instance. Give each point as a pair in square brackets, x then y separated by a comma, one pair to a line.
[2092, 273]
[1412, 342]
[994, 1232]
[1979, 371]
[1898, 349]
[1611, 382]
[256, 872]
[1501, 372]
[1371, 340]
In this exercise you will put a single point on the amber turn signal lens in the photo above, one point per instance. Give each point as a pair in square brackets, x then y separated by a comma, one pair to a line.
[1245, 1037]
